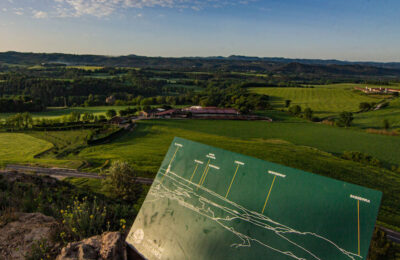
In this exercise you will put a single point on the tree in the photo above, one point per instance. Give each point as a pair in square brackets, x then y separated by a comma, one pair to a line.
[386, 124]
[308, 113]
[111, 113]
[74, 116]
[364, 106]
[120, 182]
[295, 110]
[380, 248]
[87, 117]
[345, 119]
[27, 120]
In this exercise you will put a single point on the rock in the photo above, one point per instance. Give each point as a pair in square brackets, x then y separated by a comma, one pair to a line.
[112, 244]
[18, 235]
[109, 246]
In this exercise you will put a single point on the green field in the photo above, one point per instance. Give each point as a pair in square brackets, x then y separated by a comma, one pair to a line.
[374, 119]
[52, 113]
[325, 100]
[64, 142]
[89, 68]
[21, 148]
[147, 144]
[294, 143]
[284, 143]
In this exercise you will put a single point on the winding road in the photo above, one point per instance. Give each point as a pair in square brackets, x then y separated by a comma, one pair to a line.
[64, 172]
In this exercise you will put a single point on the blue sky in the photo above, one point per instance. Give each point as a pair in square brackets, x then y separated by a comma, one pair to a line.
[338, 29]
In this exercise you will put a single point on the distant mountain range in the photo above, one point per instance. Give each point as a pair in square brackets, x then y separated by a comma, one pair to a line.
[231, 63]
[392, 65]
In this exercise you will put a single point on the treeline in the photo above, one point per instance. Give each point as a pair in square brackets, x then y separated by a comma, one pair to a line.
[25, 120]
[20, 105]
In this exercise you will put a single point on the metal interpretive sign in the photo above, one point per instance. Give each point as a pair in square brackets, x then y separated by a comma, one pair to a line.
[209, 203]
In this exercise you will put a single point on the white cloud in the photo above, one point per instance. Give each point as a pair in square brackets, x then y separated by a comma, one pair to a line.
[39, 14]
[102, 8]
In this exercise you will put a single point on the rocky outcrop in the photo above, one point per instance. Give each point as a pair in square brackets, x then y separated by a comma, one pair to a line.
[109, 246]
[22, 230]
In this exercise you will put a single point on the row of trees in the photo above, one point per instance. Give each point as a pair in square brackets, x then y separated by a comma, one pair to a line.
[308, 113]
[25, 120]
[22, 104]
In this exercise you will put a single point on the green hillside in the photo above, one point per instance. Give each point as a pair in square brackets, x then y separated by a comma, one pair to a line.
[325, 100]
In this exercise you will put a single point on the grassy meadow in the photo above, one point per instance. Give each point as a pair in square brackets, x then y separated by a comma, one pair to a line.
[374, 119]
[145, 148]
[294, 143]
[324, 100]
[21, 148]
[58, 112]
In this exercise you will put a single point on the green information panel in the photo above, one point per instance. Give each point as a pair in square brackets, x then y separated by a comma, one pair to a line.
[208, 203]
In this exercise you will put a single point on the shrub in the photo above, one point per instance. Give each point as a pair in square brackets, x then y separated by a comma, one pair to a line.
[40, 250]
[120, 182]
[295, 110]
[84, 218]
[386, 124]
[345, 119]
[364, 106]
[361, 158]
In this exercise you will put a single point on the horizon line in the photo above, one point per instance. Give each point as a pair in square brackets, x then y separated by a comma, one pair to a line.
[202, 57]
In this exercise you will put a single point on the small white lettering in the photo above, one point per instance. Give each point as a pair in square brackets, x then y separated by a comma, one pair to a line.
[359, 198]
[277, 174]
[213, 166]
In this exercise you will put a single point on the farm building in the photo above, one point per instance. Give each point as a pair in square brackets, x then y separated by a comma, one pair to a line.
[200, 112]
[172, 113]
[110, 100]
[150, 113]
[379, 90]
[117, 120]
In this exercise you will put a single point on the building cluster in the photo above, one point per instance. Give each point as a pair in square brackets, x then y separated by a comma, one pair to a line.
[198, 112]
[379, 90]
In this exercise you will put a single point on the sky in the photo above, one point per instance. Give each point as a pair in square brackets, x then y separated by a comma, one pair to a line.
[356, 30]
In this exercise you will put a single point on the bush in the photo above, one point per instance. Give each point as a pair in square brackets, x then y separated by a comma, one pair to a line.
[83, 213]
[40, 250]
[364, 106]
[361, 158]
[84, 218]
[386, 124]
[120, 182]
[381, 248]
[295, 110]
[308, 113]
[345, 119]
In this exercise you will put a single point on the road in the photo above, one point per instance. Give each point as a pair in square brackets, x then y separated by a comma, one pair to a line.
[64, 172]
[391, 235]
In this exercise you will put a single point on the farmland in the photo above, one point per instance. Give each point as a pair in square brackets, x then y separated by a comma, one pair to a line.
[145, 148]
[52, 113]
[374, 119]
[21, 148]
[146, 145]
[325, 100]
